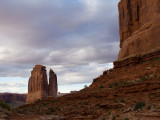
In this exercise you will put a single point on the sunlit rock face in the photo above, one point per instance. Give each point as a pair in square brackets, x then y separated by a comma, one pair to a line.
[38, 88]
[139, 26]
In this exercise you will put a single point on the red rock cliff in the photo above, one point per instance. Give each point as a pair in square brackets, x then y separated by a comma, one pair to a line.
[139, 26]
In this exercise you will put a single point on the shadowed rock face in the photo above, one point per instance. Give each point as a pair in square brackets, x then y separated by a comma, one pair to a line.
[52, 84]
[139, 26]
[38, 88]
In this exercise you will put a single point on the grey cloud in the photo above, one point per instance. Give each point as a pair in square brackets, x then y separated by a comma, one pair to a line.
[70, 33]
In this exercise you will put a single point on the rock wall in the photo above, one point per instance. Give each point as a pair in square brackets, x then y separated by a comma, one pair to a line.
[139, 26]
[38, 87]
[137, 59]
[52, 84]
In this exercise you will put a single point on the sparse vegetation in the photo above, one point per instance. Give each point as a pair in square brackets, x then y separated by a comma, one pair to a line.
[54, 101]
[115, 85]
[101, 87]
[44, 104]
[114, 118]
[139, 105]
[155, 59]
[126, 118]
[5, 105]
[143, 78]
[122, 101]
[149, 107]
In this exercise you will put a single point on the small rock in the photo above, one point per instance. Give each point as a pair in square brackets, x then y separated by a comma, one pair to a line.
[148, 68]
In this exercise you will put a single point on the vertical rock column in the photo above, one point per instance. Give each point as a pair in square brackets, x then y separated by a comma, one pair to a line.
[37, 85]
[52, 84]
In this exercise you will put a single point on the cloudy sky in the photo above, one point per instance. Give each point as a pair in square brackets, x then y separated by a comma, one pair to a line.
[78, 39]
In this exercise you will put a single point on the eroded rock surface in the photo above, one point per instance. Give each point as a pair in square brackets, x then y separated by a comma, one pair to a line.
[139, 26]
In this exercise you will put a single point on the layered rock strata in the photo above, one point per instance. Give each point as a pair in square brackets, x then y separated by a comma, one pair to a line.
[139, 26]
[38, 87]
[137, 59]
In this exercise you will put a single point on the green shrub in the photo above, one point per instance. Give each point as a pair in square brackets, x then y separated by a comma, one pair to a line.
[100, 87]
[51, 109]
[114, 118]
[5, 105]
[54, 101]
[126, 119]
[139, 105]
[149, 107]
[114, 85]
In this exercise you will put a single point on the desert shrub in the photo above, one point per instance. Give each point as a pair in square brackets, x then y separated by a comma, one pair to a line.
[155, 59]
[117, 115]
[114, 118]
[122, 101]
[149, 107]
[113, 85]
[126, 119]
[51, 109]
[44, 104]
[54, 101]
[139, 105]
[100, 87]
[5, 105]
[143, 78]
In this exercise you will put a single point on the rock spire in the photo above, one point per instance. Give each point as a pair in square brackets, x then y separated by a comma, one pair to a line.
[38, 88]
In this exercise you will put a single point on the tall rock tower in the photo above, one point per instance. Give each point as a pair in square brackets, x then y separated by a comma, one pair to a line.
[38, 88]
[38, 84]
[139, 27]
[52, 84]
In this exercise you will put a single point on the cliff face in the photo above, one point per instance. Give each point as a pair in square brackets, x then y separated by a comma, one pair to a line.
[139, 26]
[38, 87]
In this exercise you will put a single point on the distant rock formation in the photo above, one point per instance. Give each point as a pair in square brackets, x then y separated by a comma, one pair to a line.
[12, 97]
[139, 27]
[38, 88]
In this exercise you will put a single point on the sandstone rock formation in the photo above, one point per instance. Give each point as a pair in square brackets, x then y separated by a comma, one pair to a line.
[52, 84]
[139, 26]
[38, 87]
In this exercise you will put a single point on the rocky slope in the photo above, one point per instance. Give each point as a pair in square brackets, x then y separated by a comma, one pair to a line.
[128, 93]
